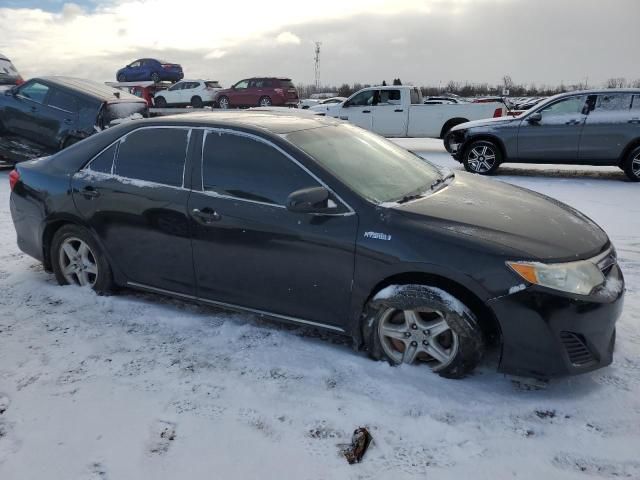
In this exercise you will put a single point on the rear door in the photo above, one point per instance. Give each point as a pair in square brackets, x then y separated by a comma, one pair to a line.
[557, 135]
[609, 128]
[359, 109]
[132, 195]
[389, 117]
[60, 115]
[250, 251]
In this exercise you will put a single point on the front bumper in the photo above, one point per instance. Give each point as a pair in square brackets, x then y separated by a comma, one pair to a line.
[547, 334]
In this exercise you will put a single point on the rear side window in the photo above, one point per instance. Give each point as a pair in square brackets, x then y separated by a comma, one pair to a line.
[249, 169]
[63, 100]
[415, 96]
[635, 106]
[614, 103]
[154, 155]
[103, 163]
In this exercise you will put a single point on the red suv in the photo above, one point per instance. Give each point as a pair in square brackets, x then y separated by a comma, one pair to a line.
[258, 92]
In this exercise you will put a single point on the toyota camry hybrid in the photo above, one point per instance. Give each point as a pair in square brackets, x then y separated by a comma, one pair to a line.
[316, 222]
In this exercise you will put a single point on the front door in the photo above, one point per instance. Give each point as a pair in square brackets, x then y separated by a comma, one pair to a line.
[557, 135]
[241, 93]
[135, 201]
[250, 251]
[24, 113]
[359, 109]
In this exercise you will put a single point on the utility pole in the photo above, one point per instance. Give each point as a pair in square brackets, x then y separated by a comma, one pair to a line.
[317, 64]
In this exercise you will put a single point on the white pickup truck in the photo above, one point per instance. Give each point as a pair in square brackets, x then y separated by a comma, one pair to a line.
[399, 111]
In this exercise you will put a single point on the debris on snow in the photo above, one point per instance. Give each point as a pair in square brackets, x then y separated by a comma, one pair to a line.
[360, 442]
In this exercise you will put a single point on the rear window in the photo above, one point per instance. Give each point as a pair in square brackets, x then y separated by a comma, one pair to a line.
[115, 111]
[212, 84]
[287, 84]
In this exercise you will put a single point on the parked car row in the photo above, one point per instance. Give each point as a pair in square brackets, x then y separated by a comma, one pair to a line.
[594, 127]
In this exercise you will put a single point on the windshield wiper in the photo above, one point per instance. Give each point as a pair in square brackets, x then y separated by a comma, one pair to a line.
[409, 197]
[440, 181]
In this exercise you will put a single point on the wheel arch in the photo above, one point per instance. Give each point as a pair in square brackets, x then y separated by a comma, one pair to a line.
[449, 124]
[627, 150]
[486, 318]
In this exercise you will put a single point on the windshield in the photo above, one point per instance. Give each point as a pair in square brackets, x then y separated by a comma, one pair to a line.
[370, 165]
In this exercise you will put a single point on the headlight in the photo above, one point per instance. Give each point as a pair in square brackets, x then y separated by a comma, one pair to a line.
[574, 277]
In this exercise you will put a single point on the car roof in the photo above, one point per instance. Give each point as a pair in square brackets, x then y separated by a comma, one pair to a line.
[275, 122]
[2, 57]
[600, 91]
[92, 89]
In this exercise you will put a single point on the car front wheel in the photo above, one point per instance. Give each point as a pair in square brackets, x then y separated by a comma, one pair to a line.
[482, 157]
[121, 78]
[155, 77]
[632, 165]
[223, 102]
[160, 102]
[77, 259]
[423, 324]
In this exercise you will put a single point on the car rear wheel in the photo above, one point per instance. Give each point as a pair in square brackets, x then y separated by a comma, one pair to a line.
[632, 165]
[155, 77]
[78, 260]
[223, 102]
[483, 157]
[122, 78]
[423, 324]
[160, 102]
[196, 102]
[265, 102]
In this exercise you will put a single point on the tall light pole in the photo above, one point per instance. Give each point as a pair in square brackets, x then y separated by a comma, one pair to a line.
[317, 64]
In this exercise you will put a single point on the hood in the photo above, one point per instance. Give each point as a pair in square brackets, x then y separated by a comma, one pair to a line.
[540, 227]
[486, 122]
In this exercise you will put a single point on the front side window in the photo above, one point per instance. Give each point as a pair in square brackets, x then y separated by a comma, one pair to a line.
[246, 168]
[567, 106]
[34, 91]
[370, 165]
[153, 155]
[135, 64]
[241, 85]
[177, 86]
[362, 99]
[63, 100]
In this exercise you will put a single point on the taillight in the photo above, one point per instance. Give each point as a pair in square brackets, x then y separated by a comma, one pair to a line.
[497, 113]
[19, 81]
[166, 67]
[14, 177]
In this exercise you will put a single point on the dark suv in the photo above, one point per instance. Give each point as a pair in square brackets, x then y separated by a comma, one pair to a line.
[259, 92]
[59, 111]
[583, 128]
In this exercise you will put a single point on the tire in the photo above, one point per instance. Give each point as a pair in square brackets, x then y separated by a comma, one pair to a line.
[482, 157]
[160, 102]
[155, 77]
[449, 125]
[196, 102]
[93, 269]
[428, 325]
[265, 102]
[631, 165]
[223, 102]
[121, 78]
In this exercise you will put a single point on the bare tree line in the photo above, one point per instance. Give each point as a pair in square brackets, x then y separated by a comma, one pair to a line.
[469, 89]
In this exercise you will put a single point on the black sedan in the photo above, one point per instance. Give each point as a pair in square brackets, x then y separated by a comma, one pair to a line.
[315, 222]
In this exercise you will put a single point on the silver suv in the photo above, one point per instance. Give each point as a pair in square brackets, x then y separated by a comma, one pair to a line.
[594, 127]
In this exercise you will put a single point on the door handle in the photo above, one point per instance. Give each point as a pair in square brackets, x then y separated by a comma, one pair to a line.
[366, 111]
[206, 215]
[399, 110]
[90, 192]
[573, 122]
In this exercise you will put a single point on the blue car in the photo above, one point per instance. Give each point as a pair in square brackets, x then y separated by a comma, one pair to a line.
[150, 69]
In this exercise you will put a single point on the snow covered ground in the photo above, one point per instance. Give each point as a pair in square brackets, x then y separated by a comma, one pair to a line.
[138, 386]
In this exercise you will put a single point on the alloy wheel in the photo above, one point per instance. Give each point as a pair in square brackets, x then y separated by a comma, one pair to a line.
[420, 334]
[482, 158]
[635, 165]
[265, 102]
[78, 263]
[223, 103]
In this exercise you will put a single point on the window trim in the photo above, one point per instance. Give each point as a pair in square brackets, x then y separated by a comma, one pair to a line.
[208, 130]
[87, 166]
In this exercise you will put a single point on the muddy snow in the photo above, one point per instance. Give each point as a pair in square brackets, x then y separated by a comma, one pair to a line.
[141, 386]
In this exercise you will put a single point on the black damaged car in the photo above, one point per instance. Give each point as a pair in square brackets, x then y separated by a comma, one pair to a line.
[315, 222]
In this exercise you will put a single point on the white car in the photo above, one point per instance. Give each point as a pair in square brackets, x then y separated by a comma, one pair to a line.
[196, 93]
[313, 102]
[399, 111]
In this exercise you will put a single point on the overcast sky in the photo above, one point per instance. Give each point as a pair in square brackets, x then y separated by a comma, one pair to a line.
[422, 42]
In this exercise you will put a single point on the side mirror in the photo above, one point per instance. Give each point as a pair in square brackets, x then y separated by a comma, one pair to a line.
[534, 117]
[309, 200]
